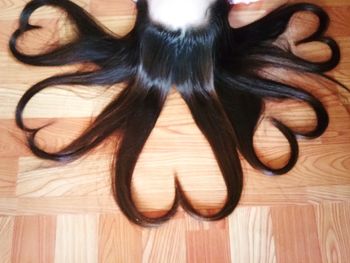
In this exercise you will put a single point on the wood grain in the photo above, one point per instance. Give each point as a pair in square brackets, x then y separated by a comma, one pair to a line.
[119, 240]
[67, 213]
[77, 238]
[34, 239]
[207, 242]
[8, 176]
[6, 237]
[165, 244]
[295, 234]
[252, 236]
[334, 231]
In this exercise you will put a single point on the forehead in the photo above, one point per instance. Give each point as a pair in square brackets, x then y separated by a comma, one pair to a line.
[179, 14]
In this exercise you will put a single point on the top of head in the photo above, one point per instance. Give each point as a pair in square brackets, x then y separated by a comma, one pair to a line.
[179, 14]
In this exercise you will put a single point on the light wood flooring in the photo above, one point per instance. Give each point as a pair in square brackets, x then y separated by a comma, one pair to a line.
[66, 214]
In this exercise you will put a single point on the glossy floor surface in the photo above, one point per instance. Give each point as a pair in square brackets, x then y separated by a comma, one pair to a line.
[66, 213]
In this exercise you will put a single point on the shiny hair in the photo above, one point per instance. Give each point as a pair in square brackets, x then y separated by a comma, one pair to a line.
[215, 68]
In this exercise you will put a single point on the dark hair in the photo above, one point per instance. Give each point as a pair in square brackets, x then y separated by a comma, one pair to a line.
[215, 68]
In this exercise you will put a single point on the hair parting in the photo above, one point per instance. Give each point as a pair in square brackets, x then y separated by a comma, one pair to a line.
[215, 68]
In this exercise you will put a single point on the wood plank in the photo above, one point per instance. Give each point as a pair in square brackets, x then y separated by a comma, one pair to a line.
[251, 235]
[10, 10]
[58, 205]
[334, 231]
[36, 180]
[76, 239]
[166, 243]
[110, 7]
[56, 102]
[34, 239]
[8, 176]
[119, 240]
[208, 242]
[299, 217]
[6, 237]
[295, 234]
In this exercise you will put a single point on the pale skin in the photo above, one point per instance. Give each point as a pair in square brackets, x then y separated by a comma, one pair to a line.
[183, 14]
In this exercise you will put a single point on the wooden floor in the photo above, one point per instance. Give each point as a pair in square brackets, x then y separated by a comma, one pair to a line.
[51, 213]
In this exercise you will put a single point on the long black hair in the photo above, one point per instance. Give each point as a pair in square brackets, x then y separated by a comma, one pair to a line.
[215, 68]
